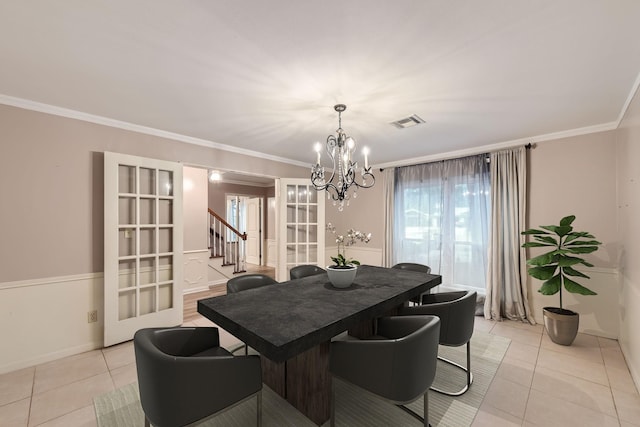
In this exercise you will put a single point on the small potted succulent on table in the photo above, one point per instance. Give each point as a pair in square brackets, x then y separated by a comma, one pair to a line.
[343, 271]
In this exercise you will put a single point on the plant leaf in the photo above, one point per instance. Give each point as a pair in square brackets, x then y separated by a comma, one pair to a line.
[543, 259]
[355, 262]
[583, 243]
[533, 231]
[582, 249]
[576, 288]
[588, 264]
[567, 220]
[561, 230]
[567, 261]
[570, 271]
[547, 239]
[551, 286]
[535, 245]
[543, 273]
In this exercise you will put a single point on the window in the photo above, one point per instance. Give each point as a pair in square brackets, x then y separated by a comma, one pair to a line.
[442, 219]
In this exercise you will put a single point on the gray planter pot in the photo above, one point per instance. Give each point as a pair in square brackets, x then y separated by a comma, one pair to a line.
[561, 324]
[341, 277]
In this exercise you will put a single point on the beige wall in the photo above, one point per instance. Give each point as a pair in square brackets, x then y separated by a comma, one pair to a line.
[51, 171]
[628, 209]
[51, 244]
[195, 208]
[576, 176]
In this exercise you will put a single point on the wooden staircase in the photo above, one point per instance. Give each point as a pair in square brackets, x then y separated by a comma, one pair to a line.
[226, 244]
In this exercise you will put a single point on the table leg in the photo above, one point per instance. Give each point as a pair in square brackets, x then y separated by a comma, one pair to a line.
[309, 383]
[304, 381]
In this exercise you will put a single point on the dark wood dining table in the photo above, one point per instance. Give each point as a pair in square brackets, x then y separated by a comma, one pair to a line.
[291, 325]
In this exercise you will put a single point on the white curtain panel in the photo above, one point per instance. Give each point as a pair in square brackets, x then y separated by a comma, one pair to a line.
[507, 270]
[388, 183]
[442, 219]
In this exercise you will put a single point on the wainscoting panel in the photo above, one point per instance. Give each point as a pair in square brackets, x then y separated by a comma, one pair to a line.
[46, 319]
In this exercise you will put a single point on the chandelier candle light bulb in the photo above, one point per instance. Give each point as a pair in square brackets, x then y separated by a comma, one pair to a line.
[340, 150]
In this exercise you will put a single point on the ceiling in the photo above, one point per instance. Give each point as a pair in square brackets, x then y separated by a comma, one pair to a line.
[264, 75]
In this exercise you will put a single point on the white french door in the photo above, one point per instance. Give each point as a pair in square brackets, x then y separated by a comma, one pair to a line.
[142, 245]
[300, 225]
[254, 230]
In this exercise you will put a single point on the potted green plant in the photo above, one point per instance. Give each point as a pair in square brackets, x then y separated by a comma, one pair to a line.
[343, 271]
[556, 269]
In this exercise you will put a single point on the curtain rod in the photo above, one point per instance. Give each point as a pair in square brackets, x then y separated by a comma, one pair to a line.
[528, 146]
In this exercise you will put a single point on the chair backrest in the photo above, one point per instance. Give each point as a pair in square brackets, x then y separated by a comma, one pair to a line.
[248, 281]
[457, 313]
[420, 268]
[182, 381]
[300, 271]
[400, 366]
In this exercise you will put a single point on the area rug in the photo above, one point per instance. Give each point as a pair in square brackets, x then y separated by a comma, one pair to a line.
[121, 407]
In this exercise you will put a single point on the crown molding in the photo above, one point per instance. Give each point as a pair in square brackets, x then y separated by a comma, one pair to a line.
[500, 145]
[105, 121]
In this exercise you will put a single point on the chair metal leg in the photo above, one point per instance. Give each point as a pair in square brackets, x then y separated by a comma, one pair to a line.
[147, 423]
[426, 409]
[259, 406]
[467, 370]
[332, 404]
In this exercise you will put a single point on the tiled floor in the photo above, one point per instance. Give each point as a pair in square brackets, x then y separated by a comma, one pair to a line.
[538, 383]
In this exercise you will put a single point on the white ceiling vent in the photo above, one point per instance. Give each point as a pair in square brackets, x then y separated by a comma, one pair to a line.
[408, 122]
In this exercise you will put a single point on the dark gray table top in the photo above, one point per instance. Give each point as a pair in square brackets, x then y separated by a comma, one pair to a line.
[285, 319]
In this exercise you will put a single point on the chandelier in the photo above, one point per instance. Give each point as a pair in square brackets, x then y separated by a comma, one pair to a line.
[344, 173]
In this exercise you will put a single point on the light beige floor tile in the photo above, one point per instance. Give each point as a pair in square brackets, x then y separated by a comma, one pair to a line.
[572, 365]
[608, 342]
[507, 396]
[517, 334]
[119, 355]
[16, 385]
[626, 424]
[124, 375]
[15, 414]
[613, 358]
[538, 328]
[584, 347]
[548, 410]
[83, 417]
[203, 321]
[628, 405]
[525, 352]
[620, 379]
[68, 398]
[68, 370]
[517, 371]
[488, 416]
[576, 390]
[482, 324]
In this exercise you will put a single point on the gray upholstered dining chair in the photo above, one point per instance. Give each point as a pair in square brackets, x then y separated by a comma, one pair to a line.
[243, 283]
[300, 271]
[398, 365]
[419, 268]
[456, 311]
[248, 281]
[185, 376]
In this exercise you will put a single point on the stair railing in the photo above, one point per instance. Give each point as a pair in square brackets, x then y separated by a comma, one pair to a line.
[227, 243]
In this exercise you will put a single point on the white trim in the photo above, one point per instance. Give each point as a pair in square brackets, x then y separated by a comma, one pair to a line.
[634, 89]
[196, 290]
[50, 280]
[196, 251]
[50, 357]
[500, 145]
[86, 117]
[217, 282]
